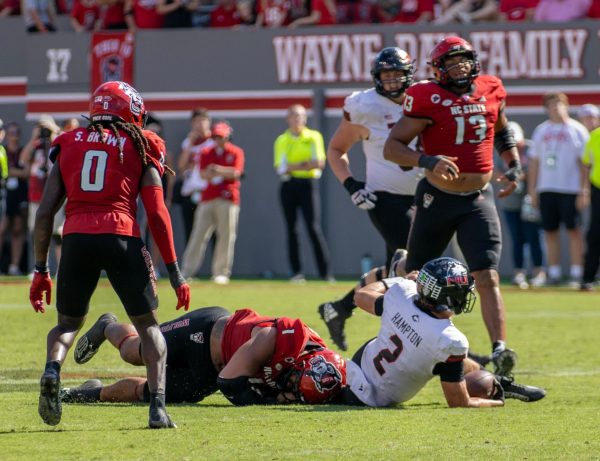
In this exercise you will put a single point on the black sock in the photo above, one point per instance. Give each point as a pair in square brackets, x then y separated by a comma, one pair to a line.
[157, 399]
[53, 365]
[498, 346]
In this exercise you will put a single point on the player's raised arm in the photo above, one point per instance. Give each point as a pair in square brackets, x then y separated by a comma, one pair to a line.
[370, 298]
[159, 222]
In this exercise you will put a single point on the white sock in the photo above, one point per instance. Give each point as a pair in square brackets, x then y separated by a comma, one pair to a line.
[554, 272]
[576, 272]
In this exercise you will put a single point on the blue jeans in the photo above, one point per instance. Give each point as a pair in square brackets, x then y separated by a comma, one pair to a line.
[524, 233]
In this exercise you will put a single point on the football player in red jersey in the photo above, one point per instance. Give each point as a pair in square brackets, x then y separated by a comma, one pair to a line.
[100, 170]
[251, 358]
[459, 116]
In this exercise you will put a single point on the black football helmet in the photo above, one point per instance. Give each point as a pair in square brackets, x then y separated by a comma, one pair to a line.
[445, 284]
[392, 58]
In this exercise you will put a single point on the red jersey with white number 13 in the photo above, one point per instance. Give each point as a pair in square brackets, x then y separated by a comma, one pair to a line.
[463, 125]
[101, 189]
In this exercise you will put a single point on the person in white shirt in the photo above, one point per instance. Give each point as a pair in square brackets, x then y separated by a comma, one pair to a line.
[387, 193]
[555, 183]
[417, 341]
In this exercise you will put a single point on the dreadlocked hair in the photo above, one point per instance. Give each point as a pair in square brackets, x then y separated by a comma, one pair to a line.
[134, 132]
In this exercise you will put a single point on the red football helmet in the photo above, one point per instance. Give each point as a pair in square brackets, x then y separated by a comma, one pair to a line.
[453, 46]
[117, 101]
[318, 376]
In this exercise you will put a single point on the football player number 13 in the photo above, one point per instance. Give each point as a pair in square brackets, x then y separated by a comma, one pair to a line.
[93, 169]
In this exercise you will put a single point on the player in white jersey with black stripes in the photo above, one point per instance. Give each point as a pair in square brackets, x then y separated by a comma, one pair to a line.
[417, 341]
[388, 192]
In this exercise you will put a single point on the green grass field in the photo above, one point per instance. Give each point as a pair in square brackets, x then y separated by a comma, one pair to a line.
[554, 332]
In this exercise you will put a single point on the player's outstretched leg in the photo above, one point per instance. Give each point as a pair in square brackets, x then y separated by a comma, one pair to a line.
[159, 418]
[88, 392]
[91, 340]
[49, 406]
[334, 316]
[504, 361]
[520, 392]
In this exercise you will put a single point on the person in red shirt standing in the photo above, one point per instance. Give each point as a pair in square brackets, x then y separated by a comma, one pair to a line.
[517, 10]
[85, 15]
[459, 116]
[222, 165]
[225, 14]
[143, 14]
[322, 13]
[412, 11]
[100, 170]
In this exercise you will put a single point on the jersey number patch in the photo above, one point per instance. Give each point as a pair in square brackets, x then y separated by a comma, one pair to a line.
[387, 355]
[93, 170]
[477, 121]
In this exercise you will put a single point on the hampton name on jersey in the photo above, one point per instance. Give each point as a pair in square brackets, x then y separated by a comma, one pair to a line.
[378, 114]
[462, 125]
[400, 360]
[102, 185]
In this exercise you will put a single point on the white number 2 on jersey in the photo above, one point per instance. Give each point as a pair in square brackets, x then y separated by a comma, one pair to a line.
[477, 121]
[92, 172]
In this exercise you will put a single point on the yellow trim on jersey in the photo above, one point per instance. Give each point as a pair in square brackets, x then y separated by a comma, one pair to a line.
[308, 145]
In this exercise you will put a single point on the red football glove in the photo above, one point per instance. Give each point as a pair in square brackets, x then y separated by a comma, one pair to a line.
[41, 283]
[183, 296]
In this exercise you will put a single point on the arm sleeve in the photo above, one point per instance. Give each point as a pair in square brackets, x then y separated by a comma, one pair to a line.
[279, 152]
[159, 221]
[450, 372]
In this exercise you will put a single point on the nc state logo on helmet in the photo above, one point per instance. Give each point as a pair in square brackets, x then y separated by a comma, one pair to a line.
[392, 58]
[117, 100]
[453, 46]
[318, 376]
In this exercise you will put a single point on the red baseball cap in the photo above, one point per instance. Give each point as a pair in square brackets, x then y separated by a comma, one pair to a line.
[221, 129]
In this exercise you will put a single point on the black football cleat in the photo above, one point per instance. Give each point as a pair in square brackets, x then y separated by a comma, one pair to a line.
[335, 317]
[398, 263]
[91, 340]
[159, 418]
[50, 406]
[504, 362]
[521, 392]
[88, 392]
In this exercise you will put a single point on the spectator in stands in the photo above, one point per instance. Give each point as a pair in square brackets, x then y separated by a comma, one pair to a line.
[589, 116]
[112, 15]
[245, 9]
[523, 222]
[143, 14]
[10, 8]
[85, 15]
[517, 10]
[15, 222]
[225, 14]
[357, 12]
[594, 11]
[467, 11]
[222, 165]
[273, 13]
[177, 13]
[557, 183]
[561, 10]
[322, 13]
[188, 189]
[39, 15]
[414, 11]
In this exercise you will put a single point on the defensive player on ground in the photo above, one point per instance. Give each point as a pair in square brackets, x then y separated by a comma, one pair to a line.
[100, 170]
[459, 116]
[417, 341]
[251, 358]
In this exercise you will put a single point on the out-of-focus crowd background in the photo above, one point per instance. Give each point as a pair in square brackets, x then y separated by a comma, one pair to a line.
[87, 15]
